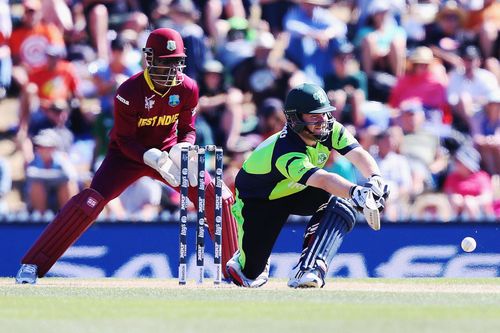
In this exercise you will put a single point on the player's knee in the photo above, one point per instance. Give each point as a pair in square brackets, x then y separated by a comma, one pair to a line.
[90, 201]
[341, 207]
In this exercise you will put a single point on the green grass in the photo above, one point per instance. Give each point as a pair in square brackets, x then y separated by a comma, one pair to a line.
[354, 305]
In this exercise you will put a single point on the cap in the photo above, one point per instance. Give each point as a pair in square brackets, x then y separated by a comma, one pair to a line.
[469, 157]
[46, 138]
[470, 52]
[265, 40]
[411, 106]
[213, 66]
[378, 6]
[269, 106]
[421, 55]
[451, 8]
[185, 7]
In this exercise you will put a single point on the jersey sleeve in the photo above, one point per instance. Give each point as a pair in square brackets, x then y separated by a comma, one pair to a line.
[125, 127]
[186, 128]
[296, 167]
[342, 140]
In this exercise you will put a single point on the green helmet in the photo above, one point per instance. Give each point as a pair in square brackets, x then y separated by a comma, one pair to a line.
[308, 98]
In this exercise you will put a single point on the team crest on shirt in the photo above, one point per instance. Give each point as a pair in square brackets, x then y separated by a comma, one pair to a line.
[322, 158]
[171, 45]
[149, 102]
[173, 100]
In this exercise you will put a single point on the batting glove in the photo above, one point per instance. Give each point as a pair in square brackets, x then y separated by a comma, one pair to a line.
[363, 200]
[161, 162]
[379, 187]
[175, 155]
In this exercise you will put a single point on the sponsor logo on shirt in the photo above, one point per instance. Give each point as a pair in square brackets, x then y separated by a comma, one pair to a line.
[158, 120]
[123, 100]
[322, 158]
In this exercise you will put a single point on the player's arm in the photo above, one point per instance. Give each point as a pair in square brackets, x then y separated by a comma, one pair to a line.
[363, 161]
[331, 182]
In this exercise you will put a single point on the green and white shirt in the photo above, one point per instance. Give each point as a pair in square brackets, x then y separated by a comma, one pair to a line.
[281, 165]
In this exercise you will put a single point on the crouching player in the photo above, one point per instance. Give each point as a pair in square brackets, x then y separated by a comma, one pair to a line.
[284, 176]
[154, 119]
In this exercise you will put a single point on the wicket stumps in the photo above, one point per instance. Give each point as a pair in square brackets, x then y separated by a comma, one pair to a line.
[201, 219]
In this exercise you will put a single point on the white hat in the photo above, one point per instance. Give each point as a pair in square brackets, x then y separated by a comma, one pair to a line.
[47, 138]
[378, 6]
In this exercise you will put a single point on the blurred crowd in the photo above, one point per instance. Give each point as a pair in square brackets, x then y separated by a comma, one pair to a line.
[417, 82]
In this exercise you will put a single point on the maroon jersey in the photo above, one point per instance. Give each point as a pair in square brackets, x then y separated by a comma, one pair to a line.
[146, 118]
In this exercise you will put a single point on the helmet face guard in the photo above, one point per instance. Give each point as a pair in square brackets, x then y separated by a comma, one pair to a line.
[164, 75]
[297, 124]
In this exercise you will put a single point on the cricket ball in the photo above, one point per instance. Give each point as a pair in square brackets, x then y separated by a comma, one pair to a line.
[468, 244]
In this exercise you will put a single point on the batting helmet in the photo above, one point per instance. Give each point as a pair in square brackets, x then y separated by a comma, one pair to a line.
[309, 98]
[165, 57]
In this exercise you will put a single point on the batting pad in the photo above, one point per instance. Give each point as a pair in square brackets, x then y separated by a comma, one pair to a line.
[338, 219]
[229, 226]
[69, 224]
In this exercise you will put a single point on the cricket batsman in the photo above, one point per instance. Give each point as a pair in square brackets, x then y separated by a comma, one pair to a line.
[154, 113]
[284, 176]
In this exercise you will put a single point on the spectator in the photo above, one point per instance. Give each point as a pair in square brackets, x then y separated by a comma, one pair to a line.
[314, 37]
[382, 42]
[346, 87]
[107, 77]
[486, 133]
[183, 16]
[422, 83]
[220, 105]
[50, 177]
[271, 118]
[237, 46]
[262, 76]
[469, 189]
[485, 23]
[396, 171]
[469, 88]
[445, 35]
[5, 184]
[5, 59]
[141, 200]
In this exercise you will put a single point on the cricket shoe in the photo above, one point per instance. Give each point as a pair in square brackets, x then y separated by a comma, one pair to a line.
[307, 278]
[234, 269]
[27, 274]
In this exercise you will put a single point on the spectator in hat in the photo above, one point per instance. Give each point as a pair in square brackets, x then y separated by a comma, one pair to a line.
[220, 105]
[237, 46]
[469, 189]
[271, 117]
[382, 43]
[50, 177]
[422, 83]
[346, 86]
[445, 35]
[469, 88]
[486, 133]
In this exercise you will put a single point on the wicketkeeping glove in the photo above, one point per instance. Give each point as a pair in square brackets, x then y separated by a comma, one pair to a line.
[175, 155]
[161, 162]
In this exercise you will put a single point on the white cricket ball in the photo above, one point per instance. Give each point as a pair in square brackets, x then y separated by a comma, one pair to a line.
[468, 244]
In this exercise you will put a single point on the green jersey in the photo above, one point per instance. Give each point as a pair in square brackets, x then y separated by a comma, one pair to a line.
[281, 165]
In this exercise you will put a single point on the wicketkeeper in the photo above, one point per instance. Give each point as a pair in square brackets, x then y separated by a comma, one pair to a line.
[284, 176]
[154, 114]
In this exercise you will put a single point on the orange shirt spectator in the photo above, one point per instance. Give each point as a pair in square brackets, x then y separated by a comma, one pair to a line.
[490, 12]
[29, 41]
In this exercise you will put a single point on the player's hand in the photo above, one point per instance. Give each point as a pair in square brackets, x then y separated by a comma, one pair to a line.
[161, 162]
[379, 187]
[175, 155]
[363, 200]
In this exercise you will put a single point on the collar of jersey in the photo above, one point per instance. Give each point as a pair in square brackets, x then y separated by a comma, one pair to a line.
[151, 85]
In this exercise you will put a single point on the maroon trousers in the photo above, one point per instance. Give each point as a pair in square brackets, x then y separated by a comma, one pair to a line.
[116, 173]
